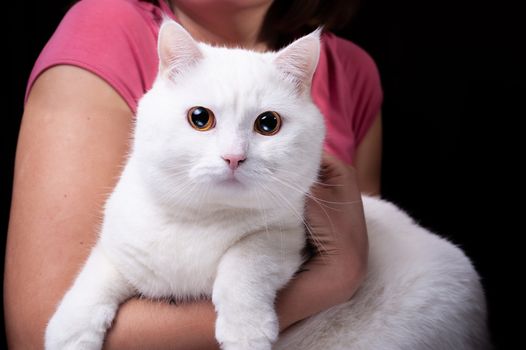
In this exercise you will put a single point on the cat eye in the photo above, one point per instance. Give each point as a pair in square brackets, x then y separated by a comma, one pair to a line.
[201, 118]
[268, 123]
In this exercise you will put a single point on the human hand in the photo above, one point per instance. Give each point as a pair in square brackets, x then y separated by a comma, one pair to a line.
[336, 225]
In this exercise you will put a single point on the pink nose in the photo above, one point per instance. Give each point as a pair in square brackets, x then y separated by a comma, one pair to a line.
[234, 160]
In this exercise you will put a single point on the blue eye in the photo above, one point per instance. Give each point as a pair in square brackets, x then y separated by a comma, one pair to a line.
[267, 123]
[201, 118]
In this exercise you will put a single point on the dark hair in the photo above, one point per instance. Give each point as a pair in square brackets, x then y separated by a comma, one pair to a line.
[287, 20]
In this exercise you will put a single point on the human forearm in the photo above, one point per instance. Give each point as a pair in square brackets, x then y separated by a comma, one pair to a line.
[146, 324]
[315, 290]
[338, 231]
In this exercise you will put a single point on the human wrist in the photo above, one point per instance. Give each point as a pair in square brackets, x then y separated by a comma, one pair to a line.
[347, 277]
[317, 288]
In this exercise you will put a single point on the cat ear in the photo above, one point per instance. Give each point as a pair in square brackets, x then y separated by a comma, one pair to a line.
[298, 61]
[177, 49]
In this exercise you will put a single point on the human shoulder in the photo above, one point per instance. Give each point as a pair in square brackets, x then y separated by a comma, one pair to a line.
[112, 13]
[106, 37]
[112, 6]
[348, 55]
[349, 89]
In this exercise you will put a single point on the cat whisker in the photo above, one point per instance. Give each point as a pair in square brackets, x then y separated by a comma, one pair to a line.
[324, 184]
[265, 218]
[321, 205]
[263, 211]
[177, 165]
[319, 244]
[176, 169]
[313, 197]
[202, 196]
[307, 194]
[170, 174]
[179, 196]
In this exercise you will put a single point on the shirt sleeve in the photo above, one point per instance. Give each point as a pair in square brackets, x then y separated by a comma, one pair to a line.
[110, 38]
[367, 90]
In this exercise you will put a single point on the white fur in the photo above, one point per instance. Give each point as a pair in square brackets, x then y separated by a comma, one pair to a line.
[178, 226]
[421, 292]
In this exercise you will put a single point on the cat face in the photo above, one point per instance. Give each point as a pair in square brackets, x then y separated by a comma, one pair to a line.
[229, 126]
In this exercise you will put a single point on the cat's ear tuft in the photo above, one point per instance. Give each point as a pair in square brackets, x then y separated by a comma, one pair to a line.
[177, 49]
[298, 60]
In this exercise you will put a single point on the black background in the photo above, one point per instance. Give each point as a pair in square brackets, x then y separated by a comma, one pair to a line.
[454, 86]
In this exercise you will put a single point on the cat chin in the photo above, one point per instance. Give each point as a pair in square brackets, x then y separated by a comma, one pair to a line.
[231, 183]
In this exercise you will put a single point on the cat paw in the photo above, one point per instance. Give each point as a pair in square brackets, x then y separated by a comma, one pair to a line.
[78, 330]
[257, 332]
[252, 345]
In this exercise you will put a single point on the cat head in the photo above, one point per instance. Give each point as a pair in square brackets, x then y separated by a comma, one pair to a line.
[230, 127]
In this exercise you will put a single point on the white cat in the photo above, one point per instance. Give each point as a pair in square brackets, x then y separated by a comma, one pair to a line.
[204, 207]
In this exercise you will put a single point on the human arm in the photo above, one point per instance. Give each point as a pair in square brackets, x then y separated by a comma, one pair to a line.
[368, 158]
[72, 144]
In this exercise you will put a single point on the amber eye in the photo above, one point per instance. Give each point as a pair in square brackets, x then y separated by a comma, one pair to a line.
[268, 123]
[201, 118]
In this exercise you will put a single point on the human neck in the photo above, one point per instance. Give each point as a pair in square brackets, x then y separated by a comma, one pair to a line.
[223, 24]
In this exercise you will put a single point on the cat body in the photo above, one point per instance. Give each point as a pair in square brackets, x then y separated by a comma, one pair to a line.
[163, 251]
[204, 211]
[210, 203]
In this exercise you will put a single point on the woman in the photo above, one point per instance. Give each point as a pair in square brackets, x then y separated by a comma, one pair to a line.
[78, 116]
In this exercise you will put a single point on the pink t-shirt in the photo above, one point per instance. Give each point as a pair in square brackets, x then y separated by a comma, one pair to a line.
[117, 40]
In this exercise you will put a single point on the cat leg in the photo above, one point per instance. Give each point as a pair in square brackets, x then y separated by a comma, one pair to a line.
[248, 277]
[88, 307]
